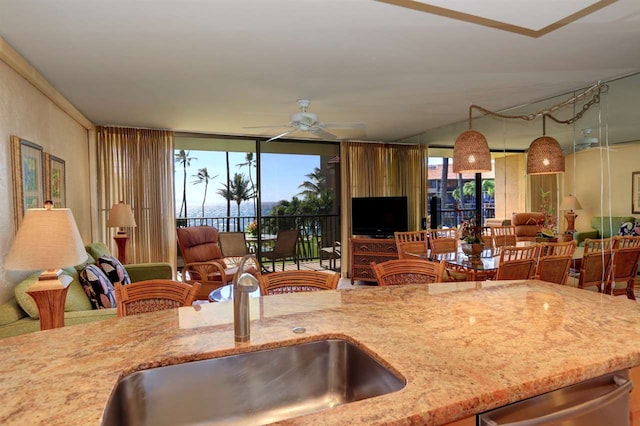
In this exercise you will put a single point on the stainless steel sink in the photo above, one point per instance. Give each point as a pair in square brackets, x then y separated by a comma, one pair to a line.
[253, 388]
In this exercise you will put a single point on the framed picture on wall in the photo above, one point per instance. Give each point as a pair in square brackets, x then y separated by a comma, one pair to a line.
[28, 182]
[55, 181]
[635, 192]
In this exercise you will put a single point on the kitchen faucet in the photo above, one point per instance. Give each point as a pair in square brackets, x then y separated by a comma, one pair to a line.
[243, 284]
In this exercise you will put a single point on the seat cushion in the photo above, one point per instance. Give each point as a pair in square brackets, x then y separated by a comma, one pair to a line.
[199, 243]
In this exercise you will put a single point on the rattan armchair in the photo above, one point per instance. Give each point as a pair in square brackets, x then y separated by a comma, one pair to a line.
[153, 295]
[297, 281]
[408, 271]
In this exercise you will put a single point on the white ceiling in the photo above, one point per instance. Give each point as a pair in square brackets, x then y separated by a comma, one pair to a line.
[217, 66]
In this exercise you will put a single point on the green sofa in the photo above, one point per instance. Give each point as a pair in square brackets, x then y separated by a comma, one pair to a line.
[602, 227]
[20, 315]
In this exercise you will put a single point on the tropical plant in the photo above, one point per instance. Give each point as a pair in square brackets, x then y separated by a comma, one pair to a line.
[203, 177]
[237, 190]
[471, 232]
[251, 164]
[182, 157]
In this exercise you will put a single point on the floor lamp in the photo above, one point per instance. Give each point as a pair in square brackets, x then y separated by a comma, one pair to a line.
[121, 216]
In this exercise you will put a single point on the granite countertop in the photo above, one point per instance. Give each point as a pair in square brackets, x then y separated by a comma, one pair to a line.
[462, 347]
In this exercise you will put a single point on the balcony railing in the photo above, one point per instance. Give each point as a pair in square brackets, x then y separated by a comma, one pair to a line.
[315, 230]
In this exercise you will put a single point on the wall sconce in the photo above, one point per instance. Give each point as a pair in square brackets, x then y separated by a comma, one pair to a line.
[121, 216]
[544, 155]
[569, 202]
[48, 240]
[471, 152]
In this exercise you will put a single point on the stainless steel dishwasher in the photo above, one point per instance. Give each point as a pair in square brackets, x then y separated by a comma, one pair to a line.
[596, 402]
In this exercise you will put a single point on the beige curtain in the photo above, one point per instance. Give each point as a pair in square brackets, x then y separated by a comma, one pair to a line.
[136, 166]
[547, 184]
[374, 169]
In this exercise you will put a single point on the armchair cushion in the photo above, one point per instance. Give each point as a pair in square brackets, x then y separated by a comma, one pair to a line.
[527, 224]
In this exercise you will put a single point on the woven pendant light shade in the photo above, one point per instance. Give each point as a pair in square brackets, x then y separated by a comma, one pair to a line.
[545, 157]
[471, 153]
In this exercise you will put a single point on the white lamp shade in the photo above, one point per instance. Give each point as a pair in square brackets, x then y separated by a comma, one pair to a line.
[569, 202]
[47, 239]
[121, 216]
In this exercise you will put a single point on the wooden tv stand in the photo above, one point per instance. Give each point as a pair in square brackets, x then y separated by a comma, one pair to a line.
[365, 250]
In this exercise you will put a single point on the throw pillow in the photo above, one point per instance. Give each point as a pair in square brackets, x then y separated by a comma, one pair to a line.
[114, 269]
[629, 228]
[10, 312]
[98, 288]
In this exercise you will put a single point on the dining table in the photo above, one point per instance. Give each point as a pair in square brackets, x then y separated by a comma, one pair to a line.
[484, 267]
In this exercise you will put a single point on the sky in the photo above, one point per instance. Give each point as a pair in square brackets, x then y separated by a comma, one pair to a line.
[282, 173]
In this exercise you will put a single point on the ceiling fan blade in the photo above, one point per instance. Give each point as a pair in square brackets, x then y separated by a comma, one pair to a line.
[354, 126]
[265, 127]
[280, 135]
[322, 133]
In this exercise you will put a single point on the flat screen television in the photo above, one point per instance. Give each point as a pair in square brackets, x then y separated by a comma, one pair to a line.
[379, 217]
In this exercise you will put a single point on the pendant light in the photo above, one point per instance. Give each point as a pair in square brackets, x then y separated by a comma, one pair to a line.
[544, 155]
[471, 152]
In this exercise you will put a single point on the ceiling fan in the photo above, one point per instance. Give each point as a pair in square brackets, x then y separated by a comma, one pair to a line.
[305, 121]
[585, 142]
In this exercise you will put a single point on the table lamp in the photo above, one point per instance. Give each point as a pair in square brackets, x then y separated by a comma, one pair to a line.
[48, 239]
[121, 216]
[569, 202]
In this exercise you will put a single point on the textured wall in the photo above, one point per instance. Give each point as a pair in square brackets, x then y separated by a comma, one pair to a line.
[601, 180]
[27, 113]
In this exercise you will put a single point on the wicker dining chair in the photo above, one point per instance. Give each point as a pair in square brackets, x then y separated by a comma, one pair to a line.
[408, 271]
[624, 267]
[502, 236]
[297, 281]
[595, 267]
[518, 263]
[554, 268]
[626, 241]
[153, 295]
[560, 248]
[597, 244]
[411, 242]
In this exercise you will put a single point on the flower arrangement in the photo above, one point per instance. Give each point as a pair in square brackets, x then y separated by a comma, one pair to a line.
[471, 232]
[252, 228]
[547, 228]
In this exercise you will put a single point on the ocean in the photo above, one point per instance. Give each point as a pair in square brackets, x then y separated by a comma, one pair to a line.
[220, 210]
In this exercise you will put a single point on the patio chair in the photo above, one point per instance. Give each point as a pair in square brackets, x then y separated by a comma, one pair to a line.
[233, 245]
[297, 281]
[284, 248]
[153, 295]
[331, 253]
[408, 271]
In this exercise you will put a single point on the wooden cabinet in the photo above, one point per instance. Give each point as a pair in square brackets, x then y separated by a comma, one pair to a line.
[367, 250]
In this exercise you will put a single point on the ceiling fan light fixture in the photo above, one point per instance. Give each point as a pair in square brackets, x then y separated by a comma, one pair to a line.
[471, 153]
[544, 156]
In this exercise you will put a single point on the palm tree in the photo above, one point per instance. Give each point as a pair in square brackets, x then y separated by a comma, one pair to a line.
[182, 157]
[203, 176]
[237, 190]
[315, 185]
[250, 162]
